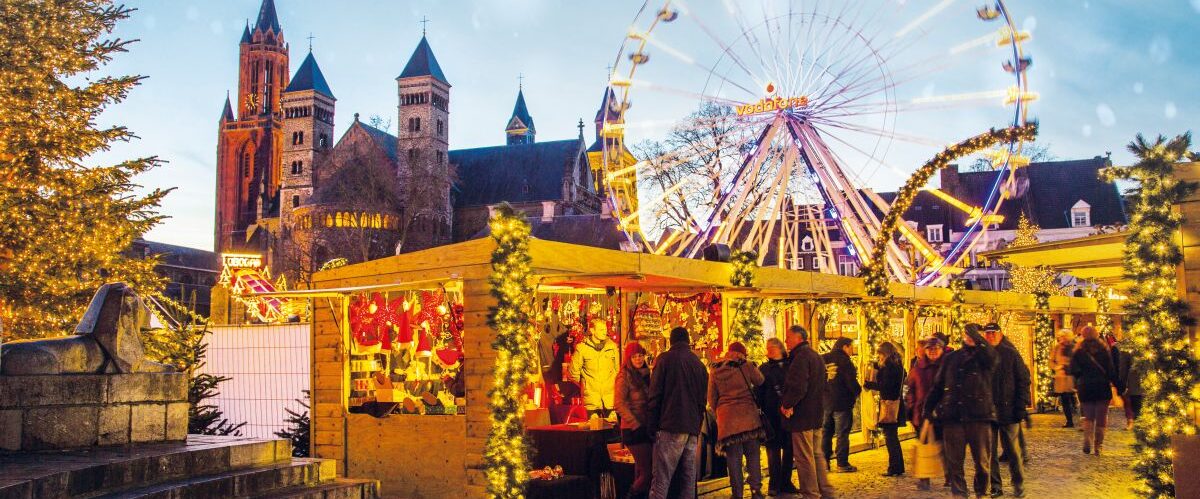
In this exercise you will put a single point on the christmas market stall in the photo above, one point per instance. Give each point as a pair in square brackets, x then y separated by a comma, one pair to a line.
[487, 365]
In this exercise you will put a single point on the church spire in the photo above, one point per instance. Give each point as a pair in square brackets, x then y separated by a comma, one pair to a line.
[520, 129]
[246, 33]
[267, 19]
[423, 63]
[227, 113]
[309, 77]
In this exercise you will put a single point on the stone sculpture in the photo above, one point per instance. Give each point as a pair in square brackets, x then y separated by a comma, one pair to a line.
[106, 341]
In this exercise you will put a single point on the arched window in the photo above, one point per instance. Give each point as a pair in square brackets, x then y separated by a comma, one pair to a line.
[301, 141]
[295, 200]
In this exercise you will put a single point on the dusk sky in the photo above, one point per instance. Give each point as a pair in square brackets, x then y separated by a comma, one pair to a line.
[1105, 70]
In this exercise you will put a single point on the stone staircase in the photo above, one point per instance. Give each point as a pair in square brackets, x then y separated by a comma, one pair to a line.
[202, 467]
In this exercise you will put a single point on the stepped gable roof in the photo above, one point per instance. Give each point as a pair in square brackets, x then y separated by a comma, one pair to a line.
[423, 63]
[514, 173]
[309, 77]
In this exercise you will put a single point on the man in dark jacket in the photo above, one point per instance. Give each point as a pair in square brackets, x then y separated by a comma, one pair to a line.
[1010, 390]
[960, 402]
[840, 395]
[678, 391]
[801, 406]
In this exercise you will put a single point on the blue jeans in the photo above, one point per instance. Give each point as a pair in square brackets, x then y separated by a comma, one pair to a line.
[672, 450]
[752, 452]
[837, 423]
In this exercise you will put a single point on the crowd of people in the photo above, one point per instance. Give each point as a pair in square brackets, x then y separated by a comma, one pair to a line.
[799, 405]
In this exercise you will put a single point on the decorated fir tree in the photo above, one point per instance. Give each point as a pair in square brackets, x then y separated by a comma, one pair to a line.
[1030, 280]
[65, 222]
[1157, 317]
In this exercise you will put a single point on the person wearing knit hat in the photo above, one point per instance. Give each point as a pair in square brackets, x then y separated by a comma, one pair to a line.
[739, 427]
[632, 405]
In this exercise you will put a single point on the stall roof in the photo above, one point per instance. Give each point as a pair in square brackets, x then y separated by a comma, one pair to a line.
[1097, 258]
[567, 267]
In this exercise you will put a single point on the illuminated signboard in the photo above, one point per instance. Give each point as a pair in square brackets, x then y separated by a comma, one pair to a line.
[769, 105]
[241, 261]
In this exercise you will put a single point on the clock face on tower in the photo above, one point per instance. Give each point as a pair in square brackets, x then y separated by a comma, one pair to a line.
[251, 103]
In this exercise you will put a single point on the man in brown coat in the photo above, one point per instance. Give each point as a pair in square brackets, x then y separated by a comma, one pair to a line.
[802, 406]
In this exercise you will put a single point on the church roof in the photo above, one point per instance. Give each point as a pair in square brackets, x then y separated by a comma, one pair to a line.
[227, 113]
[267, 19]
[385, 140]
[309, 77]
[246, 34]
[520, 112]
[514, 173]
[423, 63]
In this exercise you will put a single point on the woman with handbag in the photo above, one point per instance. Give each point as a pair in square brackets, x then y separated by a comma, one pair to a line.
[1095, 376]
[740, 427]
[889, 381]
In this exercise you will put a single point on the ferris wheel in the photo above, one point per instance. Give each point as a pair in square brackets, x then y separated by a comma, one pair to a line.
[770, 126]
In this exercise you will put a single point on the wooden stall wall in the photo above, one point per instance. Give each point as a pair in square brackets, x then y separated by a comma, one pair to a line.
[413, 456]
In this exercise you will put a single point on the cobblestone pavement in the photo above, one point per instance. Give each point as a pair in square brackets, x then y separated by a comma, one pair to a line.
[1057, 469]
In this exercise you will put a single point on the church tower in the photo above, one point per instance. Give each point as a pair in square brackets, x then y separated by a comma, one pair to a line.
[308, 107]
[249, 146]
[423, 147]
[520, 126]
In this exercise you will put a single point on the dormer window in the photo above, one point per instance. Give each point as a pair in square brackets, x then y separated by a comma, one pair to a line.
[933, 233]
[806, 244]
[1081, 214]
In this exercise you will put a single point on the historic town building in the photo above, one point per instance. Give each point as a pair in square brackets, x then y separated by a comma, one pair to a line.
[288, 189]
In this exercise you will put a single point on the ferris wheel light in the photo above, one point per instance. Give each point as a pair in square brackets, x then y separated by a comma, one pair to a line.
[1007, 36]
[620, 82]
[1015, 94]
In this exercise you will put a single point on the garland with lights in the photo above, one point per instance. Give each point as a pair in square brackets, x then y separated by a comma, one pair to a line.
[957, 312]
[1104, 323]
[1043, 345]
[874, 273]
[746, 325]
[1157, 318]
[506, 455]
[1030, 280]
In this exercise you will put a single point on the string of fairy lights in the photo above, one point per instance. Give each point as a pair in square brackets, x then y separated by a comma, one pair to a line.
[746, 326]
[506, 454]
[1157, 318]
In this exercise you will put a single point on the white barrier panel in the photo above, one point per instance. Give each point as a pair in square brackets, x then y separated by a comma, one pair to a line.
[269, 367]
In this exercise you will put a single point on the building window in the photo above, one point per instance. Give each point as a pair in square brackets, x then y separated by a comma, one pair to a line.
[441, 127]
[1081, 214]
[412, 155]
[324, 141]
[414, 124]
[847, 265]
[806, 244]
[295, 200]
[816, 264]
[440, 157]
[933, 233]
[800, 263]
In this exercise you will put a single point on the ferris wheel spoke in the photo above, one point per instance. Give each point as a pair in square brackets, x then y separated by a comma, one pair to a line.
[927, 15]
[823, 42]
[726, 50]
[646, 85]
[915, 139]
[686, 59]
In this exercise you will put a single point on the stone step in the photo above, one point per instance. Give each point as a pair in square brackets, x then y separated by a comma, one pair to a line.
[87, 473]
[341, 488]
[299, 473]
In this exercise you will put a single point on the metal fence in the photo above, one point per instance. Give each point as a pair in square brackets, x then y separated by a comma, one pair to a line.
[269, 367]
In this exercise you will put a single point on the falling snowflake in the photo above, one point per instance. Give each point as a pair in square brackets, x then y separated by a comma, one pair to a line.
[1105, 114]
[1138, 87]
[1160, 49]
[1086, 131]
[1170, 111]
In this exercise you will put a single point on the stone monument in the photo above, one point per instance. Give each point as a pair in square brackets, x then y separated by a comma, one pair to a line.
[92, 388]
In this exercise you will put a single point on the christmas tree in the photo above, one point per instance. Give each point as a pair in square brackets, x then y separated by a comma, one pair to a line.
[1030, 280]
[65, 223]
[298, 429]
